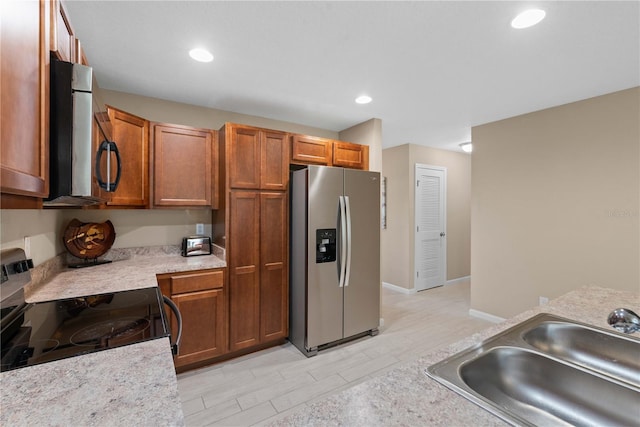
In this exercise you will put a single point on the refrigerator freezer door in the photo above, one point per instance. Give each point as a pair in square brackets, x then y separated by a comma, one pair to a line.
[324, 295]
[362, 291]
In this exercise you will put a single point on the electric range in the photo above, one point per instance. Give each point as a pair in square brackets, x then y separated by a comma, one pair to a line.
[34, 333]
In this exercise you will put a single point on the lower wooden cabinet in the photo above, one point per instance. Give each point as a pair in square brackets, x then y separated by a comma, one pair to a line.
[202, 300]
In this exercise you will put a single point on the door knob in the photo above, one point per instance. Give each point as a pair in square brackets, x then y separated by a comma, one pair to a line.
[442, 234]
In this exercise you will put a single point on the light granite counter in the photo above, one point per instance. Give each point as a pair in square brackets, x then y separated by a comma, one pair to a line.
[123, 386]
[131, 268]
[407, 397]
[130, 385]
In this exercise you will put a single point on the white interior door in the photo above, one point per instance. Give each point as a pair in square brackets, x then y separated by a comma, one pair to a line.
[430, 226]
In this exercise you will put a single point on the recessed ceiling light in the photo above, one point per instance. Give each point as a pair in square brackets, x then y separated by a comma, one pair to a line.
[201, 55]
[467, 147]
[364, 99]
[528, 18]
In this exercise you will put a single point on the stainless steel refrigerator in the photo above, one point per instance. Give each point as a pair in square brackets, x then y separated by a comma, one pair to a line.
[335, 256]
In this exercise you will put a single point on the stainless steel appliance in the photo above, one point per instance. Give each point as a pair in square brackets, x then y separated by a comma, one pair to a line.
[335, 256]
[196, 245]
[73, 164]
[34, 333]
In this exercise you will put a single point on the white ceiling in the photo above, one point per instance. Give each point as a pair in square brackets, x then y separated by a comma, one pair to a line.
[434, 69]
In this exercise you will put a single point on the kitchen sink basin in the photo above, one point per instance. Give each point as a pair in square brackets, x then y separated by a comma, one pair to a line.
[550, 371]
[608, 354]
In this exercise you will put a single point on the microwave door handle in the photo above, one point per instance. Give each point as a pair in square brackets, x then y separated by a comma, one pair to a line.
[108, 146]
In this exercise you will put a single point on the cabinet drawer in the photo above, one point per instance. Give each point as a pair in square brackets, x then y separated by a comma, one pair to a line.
[197, 282]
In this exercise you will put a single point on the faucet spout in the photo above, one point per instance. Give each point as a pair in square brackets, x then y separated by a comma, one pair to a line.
[624, 320]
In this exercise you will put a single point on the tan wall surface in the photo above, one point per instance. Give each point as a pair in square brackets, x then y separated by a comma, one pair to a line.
[556, 203]
[398, 250]
[395, 239]
[133, 227]
[159, 110]
[367, 133]
[458, 205]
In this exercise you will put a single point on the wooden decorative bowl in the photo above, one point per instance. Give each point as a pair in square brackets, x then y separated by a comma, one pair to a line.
[88, 240]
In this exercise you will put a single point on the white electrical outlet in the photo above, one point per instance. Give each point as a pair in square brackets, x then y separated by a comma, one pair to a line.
[543, 300]
[199, 228]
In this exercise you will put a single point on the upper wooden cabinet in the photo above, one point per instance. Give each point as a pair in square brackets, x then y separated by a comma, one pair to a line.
[322, 151]
[24, 105]
[184, 166]
[63, 40]
[256, 158]
[311, 149]
[131, 135]
[350, 155]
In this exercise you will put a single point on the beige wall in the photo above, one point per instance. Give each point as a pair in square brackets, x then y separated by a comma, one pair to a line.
[133, 227]
[367, 133]
[398, 252]
[395, 239]
[555, 203]
[159, 110]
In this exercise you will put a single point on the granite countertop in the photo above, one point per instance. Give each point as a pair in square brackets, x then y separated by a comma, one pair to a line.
[407, 397]
[130, 385]
[131, 268]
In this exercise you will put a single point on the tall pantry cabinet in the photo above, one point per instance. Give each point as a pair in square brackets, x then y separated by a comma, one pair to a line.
[255, 205]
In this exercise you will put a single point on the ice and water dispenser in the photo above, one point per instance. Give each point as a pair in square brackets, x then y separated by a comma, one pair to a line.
[325, 245]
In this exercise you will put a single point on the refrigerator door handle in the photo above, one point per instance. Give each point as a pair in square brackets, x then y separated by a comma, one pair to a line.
[348, 264]
[343, 243]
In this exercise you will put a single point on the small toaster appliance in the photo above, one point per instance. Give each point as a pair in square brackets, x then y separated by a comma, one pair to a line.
[196, 245]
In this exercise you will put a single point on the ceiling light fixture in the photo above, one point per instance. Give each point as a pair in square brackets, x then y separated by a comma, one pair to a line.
[528, 18]
[201, 55]
[467, 147]
[364, 99]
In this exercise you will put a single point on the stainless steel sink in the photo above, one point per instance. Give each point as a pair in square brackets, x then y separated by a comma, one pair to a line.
[550, 371]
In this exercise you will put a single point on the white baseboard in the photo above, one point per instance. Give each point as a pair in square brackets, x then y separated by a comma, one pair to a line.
[485, 316]
[458, 280]
[398, 288]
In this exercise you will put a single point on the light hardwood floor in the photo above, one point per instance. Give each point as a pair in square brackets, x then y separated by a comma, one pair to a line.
[257, 388]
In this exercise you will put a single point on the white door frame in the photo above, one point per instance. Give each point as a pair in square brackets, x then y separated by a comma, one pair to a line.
[415, 221]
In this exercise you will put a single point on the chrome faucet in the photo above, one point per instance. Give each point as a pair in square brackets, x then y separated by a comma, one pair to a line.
[624, 320]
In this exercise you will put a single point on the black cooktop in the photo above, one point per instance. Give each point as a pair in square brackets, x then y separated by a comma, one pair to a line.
[47, 331]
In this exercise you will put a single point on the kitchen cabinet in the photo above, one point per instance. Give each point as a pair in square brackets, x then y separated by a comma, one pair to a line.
[24, 105]
[257, 158]
[306, 150]
[311, 150]
[131, 135]
[349, 155]
[63, 41]
[258, 268]
[184, 166]
[202, 300]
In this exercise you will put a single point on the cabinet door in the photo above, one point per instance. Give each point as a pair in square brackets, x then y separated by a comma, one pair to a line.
[131, 135]
[24, 105]
[244, 158]
[63, 42]
[203, 326]
[274, 162]
[182, 166]
[274, 283]
[311, 150]
[244, 274]
[350, 155]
